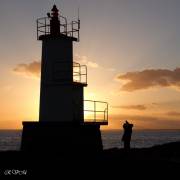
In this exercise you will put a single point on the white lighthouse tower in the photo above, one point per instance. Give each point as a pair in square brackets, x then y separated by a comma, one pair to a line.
[62, 123]
[61, 98]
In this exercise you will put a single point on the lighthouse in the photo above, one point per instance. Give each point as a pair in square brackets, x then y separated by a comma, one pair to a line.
[66, 123]
[61, 98]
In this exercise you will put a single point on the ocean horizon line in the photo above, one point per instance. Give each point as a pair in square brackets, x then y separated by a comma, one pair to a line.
[120, 129]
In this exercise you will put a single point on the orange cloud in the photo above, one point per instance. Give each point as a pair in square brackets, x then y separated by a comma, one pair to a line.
[150, 78]
[30, 70]
[84, 60]
[135, 107]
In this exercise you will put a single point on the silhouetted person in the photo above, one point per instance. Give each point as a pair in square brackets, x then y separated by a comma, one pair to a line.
[126, 138]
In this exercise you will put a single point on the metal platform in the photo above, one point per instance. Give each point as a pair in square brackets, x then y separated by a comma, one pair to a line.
[95, 112]
[70, 30]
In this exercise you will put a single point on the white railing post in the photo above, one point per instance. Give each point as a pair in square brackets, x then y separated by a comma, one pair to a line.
[72, 28]
[37, 29]
[104, 114]
[94, 111]
[107, 112]
[80, 73]
[45, 26]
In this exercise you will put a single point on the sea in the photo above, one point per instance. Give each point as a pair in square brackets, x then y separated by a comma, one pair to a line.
[11, 139]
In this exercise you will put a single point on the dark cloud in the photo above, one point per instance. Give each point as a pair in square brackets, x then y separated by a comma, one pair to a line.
[141, 122]
[31, 70]
[155, 104]
[173, 113]
[135, 107]
[150, 78]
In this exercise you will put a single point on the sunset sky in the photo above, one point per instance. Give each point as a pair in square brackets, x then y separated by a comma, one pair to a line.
[131, 49]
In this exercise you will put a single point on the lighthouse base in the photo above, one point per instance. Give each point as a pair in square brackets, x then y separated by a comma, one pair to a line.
[61, 137]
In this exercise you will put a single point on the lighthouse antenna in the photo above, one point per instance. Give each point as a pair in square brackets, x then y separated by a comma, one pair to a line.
[78, 19]
[78, 12]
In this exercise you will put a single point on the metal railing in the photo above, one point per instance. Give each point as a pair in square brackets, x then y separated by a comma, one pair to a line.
[67, 29]
[79, 73]
[95, 112]
[67, 71]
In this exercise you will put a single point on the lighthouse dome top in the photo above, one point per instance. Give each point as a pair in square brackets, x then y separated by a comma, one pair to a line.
[54, 8]
[55, 11]
[56, 26]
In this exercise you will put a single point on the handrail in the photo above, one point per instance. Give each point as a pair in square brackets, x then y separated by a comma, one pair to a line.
[79, 71]
[94, 116]
[69, 29]
[97, 101]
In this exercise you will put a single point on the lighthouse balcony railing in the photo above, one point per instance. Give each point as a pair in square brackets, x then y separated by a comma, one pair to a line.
[67, 29]
[64, 72]
[79, 73]
[95, 112]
